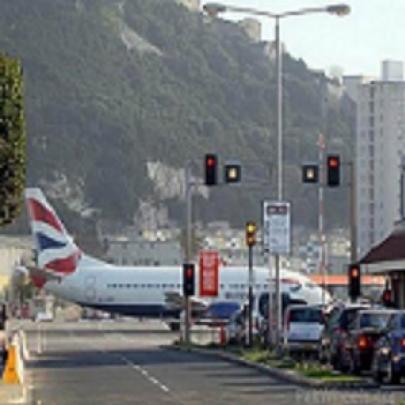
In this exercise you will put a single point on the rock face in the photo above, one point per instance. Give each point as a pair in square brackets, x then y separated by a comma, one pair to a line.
[193, 5]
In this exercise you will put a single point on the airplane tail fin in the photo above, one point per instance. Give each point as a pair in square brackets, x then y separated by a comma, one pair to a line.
[56, 250]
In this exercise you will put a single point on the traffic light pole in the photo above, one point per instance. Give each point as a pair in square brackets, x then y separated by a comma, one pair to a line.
[189, 210]
[353, 219]
[250, 343]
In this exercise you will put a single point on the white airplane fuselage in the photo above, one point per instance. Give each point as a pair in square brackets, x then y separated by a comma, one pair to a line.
[142, 291]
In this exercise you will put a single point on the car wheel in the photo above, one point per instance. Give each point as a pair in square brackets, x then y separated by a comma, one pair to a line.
[353, 367]
[378, 375]
[393, 376]
[344, 360]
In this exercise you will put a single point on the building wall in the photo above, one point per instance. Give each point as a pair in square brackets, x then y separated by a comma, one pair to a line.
[193, 5]
[380, 146]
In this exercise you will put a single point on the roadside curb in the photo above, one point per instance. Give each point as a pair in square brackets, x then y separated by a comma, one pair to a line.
[281, 374]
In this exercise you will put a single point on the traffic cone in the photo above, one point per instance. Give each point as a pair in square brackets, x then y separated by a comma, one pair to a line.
[10, 375]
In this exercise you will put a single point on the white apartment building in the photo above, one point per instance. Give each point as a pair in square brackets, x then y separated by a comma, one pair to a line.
[380, 151]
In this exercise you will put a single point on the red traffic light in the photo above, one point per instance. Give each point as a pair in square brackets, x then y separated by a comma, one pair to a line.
[354, 281]
[211, 167]
[211, 162]
[333, 170]
[333, 162]
[354, 272]
[188, 279]
[387, 296]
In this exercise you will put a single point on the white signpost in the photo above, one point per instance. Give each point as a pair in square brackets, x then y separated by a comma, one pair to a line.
[277, 227]
[276, 241]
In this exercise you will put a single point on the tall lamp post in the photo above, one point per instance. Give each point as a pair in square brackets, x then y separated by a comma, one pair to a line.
[213, 9]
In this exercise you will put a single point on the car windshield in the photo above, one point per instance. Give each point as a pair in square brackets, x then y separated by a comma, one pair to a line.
[348, 316]
[221, 310]
[306, 315]
[374, 320]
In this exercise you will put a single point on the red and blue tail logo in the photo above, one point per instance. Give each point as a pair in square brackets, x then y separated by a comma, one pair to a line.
[56, 250]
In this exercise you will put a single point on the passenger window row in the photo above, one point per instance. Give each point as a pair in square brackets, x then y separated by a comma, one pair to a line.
[129, 285]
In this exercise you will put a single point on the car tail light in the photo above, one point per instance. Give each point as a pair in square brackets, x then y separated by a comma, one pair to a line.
[363, 342]
[403, 342]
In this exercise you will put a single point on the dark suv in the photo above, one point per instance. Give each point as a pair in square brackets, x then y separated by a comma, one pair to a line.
[335, 333]
[364, 331]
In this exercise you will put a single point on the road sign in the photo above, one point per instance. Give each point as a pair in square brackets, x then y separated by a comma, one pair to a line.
[209, 271]
[277, 227]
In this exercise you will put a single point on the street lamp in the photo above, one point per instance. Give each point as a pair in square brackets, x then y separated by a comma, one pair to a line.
[213, 9]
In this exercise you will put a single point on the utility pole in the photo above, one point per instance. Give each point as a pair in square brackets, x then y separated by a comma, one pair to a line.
[277, 306]
[321, 213]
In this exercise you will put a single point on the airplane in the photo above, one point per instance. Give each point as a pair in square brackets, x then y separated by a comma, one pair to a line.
[67, 272]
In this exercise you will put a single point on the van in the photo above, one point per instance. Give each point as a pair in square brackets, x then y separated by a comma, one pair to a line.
[303, 327]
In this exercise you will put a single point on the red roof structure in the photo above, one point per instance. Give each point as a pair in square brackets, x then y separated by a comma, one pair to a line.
[390, 249]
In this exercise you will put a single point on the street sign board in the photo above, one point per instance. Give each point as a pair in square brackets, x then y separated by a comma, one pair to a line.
[209, 273]
[277, 227]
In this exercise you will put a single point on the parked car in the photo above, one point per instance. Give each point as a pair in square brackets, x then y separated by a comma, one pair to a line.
[363, 332]
[217, 313]
[389, 352]
[303, 327]
[263, 312]
[335, 333]
[237, 326]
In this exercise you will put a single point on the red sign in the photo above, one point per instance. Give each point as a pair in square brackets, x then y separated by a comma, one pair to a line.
[209, 270]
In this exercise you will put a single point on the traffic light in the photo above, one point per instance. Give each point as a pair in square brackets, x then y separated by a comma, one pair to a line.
[354, 275]
[310, 173]
[387, 298]
[188, 279]
[211, 169]
[333, 170]
[250, 234]
[233, 173]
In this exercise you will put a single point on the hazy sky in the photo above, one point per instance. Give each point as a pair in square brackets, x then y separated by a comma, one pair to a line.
[373, 31]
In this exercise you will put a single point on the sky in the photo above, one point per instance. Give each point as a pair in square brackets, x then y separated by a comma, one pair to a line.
[372, 32]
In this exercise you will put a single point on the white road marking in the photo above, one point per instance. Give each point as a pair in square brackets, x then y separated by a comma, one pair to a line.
[145, 373]
[136, 367]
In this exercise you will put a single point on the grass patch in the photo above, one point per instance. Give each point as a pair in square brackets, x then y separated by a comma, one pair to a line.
[323, 373]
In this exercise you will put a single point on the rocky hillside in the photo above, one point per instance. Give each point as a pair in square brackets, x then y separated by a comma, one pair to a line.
[119, 94]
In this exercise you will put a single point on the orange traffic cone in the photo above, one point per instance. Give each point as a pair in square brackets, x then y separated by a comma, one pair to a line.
[10, 375]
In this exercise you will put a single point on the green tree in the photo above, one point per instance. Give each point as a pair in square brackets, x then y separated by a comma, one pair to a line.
[12, 139]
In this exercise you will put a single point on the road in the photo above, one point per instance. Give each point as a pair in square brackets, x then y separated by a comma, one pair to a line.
[112, 362]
